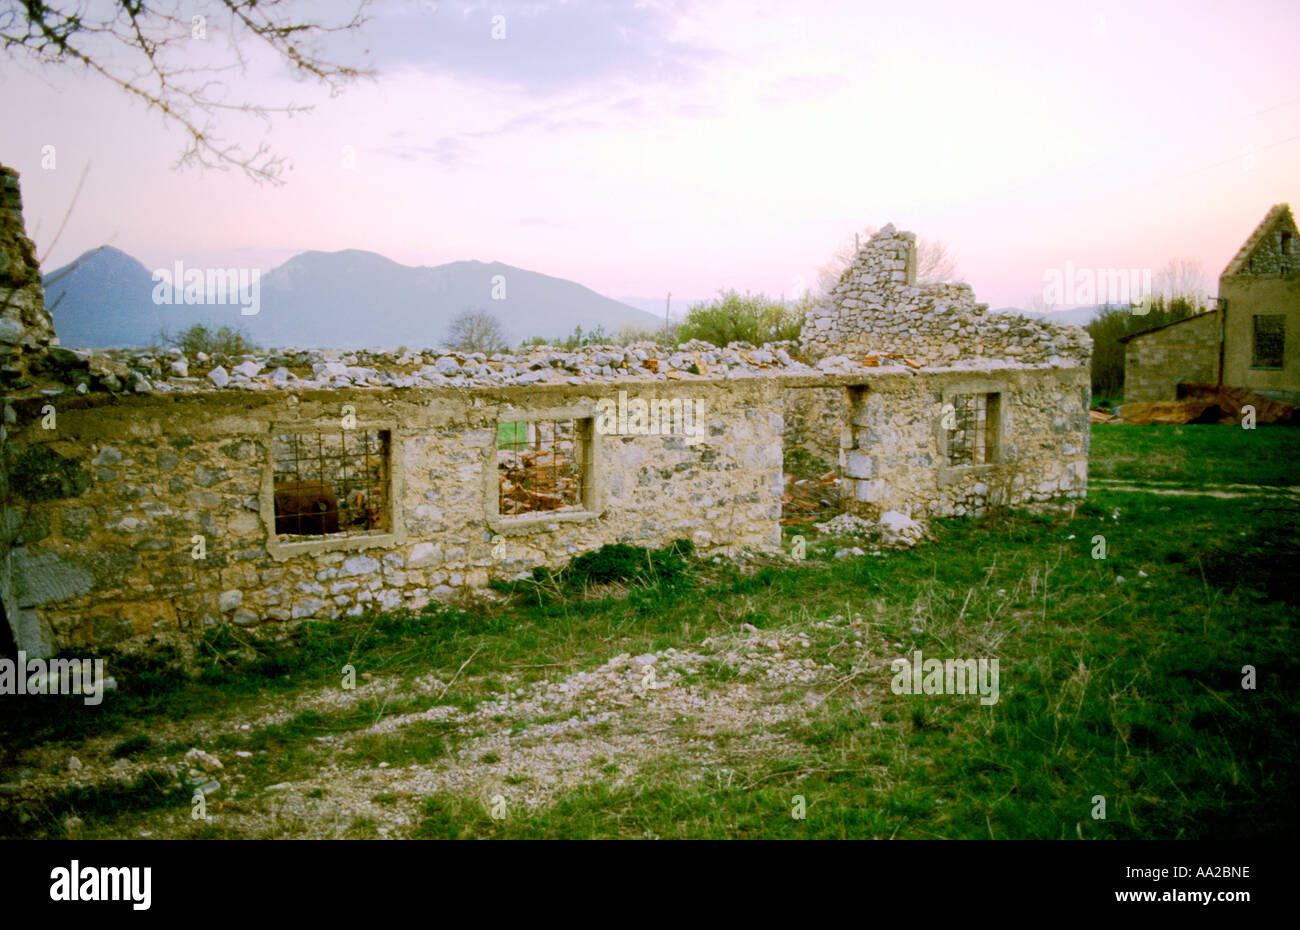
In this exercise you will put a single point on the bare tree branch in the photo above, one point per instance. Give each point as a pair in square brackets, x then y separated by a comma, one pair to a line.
[476, 331]
[138, 46]
[1181, 278]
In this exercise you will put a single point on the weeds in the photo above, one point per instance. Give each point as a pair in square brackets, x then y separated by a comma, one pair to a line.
[1134, 691]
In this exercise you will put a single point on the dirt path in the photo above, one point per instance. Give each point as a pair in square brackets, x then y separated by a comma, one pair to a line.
[1176, 489]
[706, 713]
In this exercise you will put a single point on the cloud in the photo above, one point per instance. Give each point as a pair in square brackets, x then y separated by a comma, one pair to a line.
[447, 151]
[461, 149]
[542, 47]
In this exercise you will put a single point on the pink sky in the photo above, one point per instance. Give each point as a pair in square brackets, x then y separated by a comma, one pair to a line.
[646, 148]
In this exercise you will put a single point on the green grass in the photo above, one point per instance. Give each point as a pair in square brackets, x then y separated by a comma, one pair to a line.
[1130, 690]
[151, 789]
[1196, 455]
[421, 742]
[235, 670]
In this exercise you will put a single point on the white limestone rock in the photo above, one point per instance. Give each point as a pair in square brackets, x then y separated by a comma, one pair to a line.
[899, 531]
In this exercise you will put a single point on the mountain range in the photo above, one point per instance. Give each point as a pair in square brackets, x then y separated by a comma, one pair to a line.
[1075, 316]
[348, 299]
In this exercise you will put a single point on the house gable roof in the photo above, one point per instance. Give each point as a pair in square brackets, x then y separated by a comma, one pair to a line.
[1262, 240]
[1156, 329]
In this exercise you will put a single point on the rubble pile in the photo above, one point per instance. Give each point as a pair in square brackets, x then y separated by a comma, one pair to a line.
[540, 480]
[894, 530]
[170, 370]
[166, 371]
[1209, 403]
[846, 524]
[805, 499]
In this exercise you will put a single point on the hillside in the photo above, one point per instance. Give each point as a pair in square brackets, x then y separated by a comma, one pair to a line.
[347, 299]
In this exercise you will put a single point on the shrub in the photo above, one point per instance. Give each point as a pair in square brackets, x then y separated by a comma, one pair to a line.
[742, 318]
[576, 339]
[616, 562]
[621, 562]
[225, 340]
[627, 335]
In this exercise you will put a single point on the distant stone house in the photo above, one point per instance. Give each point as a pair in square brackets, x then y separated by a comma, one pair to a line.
[1251, 339]
[1157, 360]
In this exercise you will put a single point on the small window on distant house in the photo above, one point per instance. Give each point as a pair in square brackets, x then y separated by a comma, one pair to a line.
[543, 466]
[1285, 242]
[1270, 340]
[973, 438]
[331, 483]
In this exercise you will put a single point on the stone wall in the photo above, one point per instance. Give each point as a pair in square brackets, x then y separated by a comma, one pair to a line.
[878, 308]
[1155, 362]
[143, 478]
[1243, 298]
[26, 328]
[113, 557]
[1271, 251]
[816, 422]
[1264, 279]
[898, 457]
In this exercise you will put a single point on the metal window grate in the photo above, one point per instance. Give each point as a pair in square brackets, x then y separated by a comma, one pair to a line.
[331, 483]
[1270, 341]
[542, 466]
[970, 440]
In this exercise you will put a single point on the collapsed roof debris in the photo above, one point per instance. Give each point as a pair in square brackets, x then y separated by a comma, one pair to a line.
[171, 371]
[805, 499]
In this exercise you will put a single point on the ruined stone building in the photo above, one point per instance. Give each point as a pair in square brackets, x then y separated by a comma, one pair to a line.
[1241, 343]
[148, 493]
